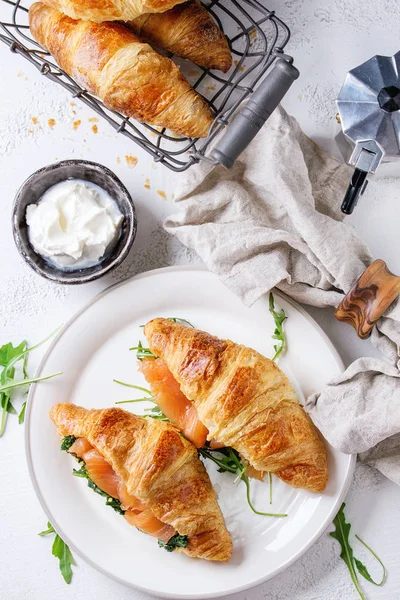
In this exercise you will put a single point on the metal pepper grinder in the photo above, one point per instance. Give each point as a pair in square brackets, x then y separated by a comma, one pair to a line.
[369, 110]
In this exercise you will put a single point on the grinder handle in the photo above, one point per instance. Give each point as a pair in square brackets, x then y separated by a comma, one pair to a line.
[369, 298]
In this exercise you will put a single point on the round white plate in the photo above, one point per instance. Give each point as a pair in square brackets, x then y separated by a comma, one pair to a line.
[91, 351]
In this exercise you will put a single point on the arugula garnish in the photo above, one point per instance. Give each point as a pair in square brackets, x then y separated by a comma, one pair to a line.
[9, 357]
[110, 501]
[228, 460]
[180, 321]
[142, 352]
[279, 334]
[177, 541]
[154, 412]
[61, 551]
[270, 486]
[341, 534]
[67, 442]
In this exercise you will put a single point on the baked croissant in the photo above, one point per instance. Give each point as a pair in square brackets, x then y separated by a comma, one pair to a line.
[245, 401]
[159, 470]
[129, 76]
[110, 10]
[187, 30]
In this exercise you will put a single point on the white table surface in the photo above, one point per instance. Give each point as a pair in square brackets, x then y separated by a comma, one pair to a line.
[329, 38]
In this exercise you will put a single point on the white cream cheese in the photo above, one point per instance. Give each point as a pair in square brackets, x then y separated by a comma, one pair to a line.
[73, 224]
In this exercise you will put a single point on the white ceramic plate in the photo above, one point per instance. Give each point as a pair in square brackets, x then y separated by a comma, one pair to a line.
[92, 350]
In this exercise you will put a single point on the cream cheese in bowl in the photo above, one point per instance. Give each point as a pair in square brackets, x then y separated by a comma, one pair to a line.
[74, 224]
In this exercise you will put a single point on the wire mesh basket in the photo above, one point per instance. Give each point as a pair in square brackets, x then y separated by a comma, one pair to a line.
[256, 37]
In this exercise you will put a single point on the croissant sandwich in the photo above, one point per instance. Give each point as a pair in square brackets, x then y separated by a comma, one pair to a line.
[187, 30]
[110, 10]
[149, 473]
[233, 396]
[128, 76]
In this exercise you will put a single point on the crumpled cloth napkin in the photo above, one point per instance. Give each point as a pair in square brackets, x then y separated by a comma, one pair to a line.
[274, 220]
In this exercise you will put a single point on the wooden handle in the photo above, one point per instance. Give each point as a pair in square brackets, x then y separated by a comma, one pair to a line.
[369, 298]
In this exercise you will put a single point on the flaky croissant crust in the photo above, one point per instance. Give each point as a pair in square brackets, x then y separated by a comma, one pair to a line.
[127, 75]
[110, 10]
[159, 467]
[245, 401]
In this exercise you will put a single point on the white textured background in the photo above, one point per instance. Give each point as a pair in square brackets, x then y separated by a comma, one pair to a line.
[329, 38]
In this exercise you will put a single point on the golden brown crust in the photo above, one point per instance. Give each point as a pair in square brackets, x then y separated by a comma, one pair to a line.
[110, 10]
[245, 401]
[187, 30]
[158, 466]
[129, 76]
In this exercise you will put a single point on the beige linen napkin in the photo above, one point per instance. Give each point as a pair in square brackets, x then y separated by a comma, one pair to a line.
[274, 220]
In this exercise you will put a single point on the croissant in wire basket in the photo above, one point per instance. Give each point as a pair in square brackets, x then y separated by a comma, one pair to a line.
[244, 401]
[187, 30]
[127, 75]
[110, 10]
[151, 473]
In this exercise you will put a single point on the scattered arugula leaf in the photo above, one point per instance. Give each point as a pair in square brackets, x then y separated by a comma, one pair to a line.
[154, 412]
[9, 357]
[279, 334]
[341, 534]
[177, 541]
[180, 321]
[21, 416]
[61, 551]
[135, 387]
[67, 442]
[362, 569]
[229, 460]
[50, 529]
[110, 501]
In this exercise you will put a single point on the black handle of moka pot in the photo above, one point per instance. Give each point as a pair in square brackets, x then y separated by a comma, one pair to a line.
[251, 117]
[356, 188]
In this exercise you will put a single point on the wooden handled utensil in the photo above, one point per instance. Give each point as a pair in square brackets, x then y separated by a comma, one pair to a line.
[369, 298]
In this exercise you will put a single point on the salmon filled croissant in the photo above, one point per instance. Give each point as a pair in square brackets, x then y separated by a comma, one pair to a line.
[242, 399]
[130, 77]
[150, 473]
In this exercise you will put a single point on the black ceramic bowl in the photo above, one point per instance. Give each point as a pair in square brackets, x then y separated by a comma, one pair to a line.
[40, 181]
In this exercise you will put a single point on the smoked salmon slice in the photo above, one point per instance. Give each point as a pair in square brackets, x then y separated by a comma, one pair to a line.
[173, 403]
[147, 522]
[104, 476]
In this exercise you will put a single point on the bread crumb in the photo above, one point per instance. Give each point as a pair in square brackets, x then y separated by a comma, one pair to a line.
[51, 123]
[147, 183]
[211, 88]
[131, 161]
[30, 130]
[93, 120]
[20, 74]
[173, 197]
[76, 124]
[84, 140]
[95, 129]
[71, 103]
[193, 73]
[35, 120]
[240, 69]
[253, 34]
[118, 160]
[162, 194]
[73, 112]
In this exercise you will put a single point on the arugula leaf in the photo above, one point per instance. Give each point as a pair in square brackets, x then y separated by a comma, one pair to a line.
[50, 529]
[279, 334]
[177, 541]
[135, 387]
[341, 534]
[61, 551]
[110, 501]
[67, 442]
[180, 321]
[155, 412]
[21, 416]
[142, 352]
[229, 460]
[362, 569]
